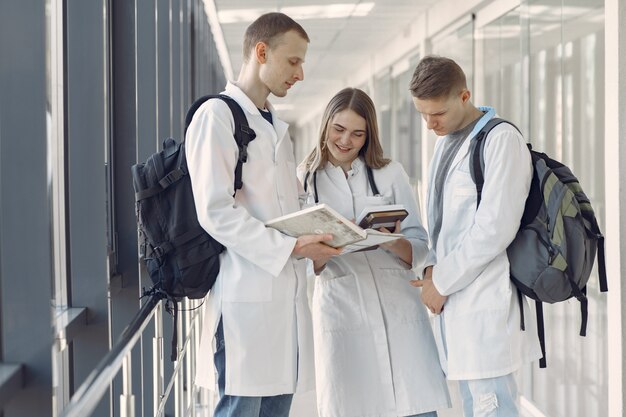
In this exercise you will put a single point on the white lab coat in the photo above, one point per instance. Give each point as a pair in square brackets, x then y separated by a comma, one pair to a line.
[260, 291]
[375, 354]
[478, 331]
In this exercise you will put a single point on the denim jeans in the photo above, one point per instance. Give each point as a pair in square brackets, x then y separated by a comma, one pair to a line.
[489, 397]
[237, 406]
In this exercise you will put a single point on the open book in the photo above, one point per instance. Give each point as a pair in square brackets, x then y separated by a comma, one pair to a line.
[321, 219]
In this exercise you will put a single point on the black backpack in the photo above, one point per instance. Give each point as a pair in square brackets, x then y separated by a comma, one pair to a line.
[553, 252]
[181, 258]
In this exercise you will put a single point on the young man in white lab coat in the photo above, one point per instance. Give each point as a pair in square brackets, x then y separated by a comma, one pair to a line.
[257, 311]
[467, 283]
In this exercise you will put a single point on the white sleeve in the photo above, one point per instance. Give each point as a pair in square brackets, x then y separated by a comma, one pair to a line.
[411, 226]
[212, 155]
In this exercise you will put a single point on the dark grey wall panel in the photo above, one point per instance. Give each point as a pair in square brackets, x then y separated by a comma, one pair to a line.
[25, 240]
[124, 286]
[87, 133]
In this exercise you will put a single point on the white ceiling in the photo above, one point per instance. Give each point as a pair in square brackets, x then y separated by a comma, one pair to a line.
[339, 46]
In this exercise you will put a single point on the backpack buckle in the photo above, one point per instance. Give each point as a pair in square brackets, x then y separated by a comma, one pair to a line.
[171, 178]
[158, 252]
[249, 132]
[243, 154]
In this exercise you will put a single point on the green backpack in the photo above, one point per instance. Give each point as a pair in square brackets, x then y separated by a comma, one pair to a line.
[555, 247]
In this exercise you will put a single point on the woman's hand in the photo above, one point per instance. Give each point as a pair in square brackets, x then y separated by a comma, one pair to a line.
[400, 247]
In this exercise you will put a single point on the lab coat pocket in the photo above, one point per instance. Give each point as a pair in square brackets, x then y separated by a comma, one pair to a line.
[249, 285]
[463, 199]
[464, 166]
[400, 301]
[376, 200]
[337, 303]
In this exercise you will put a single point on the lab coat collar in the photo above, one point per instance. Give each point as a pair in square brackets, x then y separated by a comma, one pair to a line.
[244, 101]
[357, 165]
[490, 112]
[280, 126]
[247, 104]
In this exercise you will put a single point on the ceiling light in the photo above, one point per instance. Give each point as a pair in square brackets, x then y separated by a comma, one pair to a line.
[327, 11]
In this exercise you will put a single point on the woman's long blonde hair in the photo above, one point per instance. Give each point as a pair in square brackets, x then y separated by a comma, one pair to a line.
[360, 103]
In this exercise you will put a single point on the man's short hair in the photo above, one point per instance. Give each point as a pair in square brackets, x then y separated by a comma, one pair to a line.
[267, 28]
[435, 77]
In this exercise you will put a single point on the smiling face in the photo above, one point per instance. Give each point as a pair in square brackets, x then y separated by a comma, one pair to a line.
[282, 66]
[347, 133]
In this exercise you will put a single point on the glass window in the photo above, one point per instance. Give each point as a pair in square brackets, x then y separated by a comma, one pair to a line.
[407, 129]
[457, 44]
[566, 55]
[501, 79]
[55, 128]
[541, 66]
[382, 100]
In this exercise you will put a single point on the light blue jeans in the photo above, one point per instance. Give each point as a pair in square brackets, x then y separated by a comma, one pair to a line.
[237, 406]
[429, 414]
[489, 397]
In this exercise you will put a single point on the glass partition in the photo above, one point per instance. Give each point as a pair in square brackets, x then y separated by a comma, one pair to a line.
[407, 129]
[566, 53]
[456, 43]
[382, 100]
[499, 81]
[541, 65]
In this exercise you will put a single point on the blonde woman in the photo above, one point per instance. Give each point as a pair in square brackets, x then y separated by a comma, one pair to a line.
[375, 354]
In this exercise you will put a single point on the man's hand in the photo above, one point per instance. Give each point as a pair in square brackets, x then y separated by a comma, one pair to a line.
[311, 246]
[430, 296]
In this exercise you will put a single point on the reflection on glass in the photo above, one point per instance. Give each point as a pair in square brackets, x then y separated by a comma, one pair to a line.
[541, 66]
[459, 46]
[407, 126]
[566, 120]
[382, 98]
[55, 150]
[502, 79]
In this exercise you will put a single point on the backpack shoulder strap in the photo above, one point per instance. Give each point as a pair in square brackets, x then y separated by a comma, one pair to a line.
[243, 136]
[243, 133]
[477, 161]
[194, 108]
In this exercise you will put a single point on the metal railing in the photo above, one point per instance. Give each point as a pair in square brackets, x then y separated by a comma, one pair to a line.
[187, 401]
